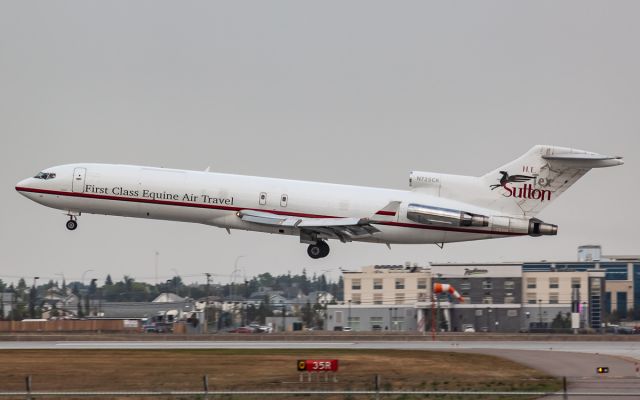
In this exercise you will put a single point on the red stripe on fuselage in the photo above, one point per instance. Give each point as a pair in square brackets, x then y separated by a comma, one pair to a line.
[390, 213]
[228, 208]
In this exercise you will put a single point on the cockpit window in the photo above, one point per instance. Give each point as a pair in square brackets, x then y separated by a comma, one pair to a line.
[45, 175]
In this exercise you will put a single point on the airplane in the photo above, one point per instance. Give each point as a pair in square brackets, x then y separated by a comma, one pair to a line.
[436, 209]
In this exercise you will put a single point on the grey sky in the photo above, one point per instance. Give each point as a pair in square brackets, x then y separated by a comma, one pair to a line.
[355, 92]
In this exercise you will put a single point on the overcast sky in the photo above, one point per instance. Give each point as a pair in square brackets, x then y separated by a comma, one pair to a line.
[354, 92]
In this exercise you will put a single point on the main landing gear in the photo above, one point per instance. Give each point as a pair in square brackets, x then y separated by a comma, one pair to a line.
[319, 249]
[72, 223]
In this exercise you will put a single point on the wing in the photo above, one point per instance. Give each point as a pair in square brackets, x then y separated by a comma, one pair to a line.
[343, 229]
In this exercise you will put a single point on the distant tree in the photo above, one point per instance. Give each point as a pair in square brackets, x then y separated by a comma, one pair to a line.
[308, 315]
[108, 281]
[80, 313]
[33, 295]
[22, 285]
[561, 321]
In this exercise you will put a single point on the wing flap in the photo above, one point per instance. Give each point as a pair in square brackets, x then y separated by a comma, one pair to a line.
[343, 229]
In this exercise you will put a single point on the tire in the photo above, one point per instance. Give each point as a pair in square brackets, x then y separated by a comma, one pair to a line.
[324, 246]
[314, 251]
[72, 224]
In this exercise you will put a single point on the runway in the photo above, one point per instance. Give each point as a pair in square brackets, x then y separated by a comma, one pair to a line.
[624, 349]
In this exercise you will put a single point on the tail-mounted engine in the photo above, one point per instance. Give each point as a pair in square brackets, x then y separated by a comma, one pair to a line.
[444, 216]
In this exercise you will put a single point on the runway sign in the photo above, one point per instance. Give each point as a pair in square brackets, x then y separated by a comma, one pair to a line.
[603, 370]
[318, 365]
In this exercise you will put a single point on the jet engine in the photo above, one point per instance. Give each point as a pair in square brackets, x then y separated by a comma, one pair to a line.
[525, 226]
[539, 228]
[431, 215]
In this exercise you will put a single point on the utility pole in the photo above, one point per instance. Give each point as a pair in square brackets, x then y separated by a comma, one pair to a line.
[208, 284]
[157, 261]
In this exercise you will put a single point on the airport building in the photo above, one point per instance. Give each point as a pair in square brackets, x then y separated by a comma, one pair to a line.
[505, 297]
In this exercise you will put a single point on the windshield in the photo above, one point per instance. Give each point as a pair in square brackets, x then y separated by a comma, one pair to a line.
[45, 175]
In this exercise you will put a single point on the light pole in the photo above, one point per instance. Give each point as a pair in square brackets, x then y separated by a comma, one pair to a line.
[349, 314]
[83, 274]
[540, 313]
[489, 315]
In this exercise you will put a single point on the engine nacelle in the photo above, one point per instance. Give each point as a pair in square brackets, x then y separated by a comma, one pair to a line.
[539, 228]
[531, 226]
[444, 216]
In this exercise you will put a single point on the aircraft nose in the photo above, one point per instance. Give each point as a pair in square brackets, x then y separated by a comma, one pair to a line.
[25, 183]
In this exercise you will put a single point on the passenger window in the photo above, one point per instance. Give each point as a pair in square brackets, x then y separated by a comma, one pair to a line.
[263, 198]
[283, 200]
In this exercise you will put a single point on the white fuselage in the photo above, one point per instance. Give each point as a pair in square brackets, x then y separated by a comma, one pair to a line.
[215, 199]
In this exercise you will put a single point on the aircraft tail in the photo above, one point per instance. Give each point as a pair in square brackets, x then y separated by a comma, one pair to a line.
[531, 182]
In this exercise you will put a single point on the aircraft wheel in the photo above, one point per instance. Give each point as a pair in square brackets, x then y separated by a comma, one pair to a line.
[324, 246]
[314, 250]
[72, 224]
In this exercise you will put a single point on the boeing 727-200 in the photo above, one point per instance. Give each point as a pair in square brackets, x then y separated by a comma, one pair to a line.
[438, 208]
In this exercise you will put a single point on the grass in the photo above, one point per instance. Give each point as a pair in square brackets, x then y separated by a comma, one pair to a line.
[230, 369]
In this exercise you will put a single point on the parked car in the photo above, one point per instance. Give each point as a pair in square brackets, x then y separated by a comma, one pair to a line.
[346, 329]
[244, 329]
[468, 328]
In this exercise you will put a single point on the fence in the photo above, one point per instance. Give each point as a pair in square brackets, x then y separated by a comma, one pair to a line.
[376, 393]
[70, 325]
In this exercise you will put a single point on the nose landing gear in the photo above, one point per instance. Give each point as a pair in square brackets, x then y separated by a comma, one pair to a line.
[72, 224]
[320, 249]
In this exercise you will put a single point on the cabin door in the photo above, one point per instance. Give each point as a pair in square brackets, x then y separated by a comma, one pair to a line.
[77, 185]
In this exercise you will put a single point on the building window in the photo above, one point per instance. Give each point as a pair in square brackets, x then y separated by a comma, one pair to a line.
[487, 284]
[531, 283]
[554, 283]
[478, 313]
[422, 283]
[355, 298]
[422, 296]
[339, 317]
[576, 283]
[531, 298]
[355, 284]
[400, 283]
[465, 285]
[377, 284]
[487, 299]
[376, 323]
[377, 298]
[354, 323]
[509, 299]
[509, 285]
[512, 313]
[553, 298]
[399, 298]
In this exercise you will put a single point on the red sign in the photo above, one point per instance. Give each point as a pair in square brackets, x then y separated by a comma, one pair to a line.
[318, 365]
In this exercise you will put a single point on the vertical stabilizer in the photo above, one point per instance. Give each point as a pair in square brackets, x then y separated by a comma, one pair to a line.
[531, 182]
